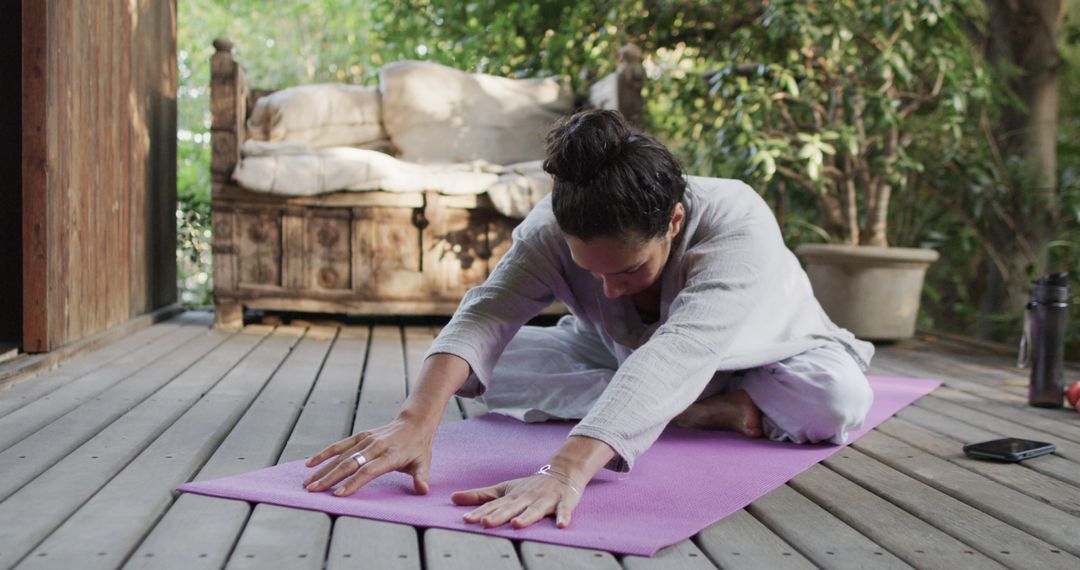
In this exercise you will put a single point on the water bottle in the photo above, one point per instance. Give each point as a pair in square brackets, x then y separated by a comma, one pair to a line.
[1043, 344]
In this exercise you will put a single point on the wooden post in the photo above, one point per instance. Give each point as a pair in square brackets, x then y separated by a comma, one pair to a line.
[631, 80]
[228, 92]
[36, 237]
[621, 90]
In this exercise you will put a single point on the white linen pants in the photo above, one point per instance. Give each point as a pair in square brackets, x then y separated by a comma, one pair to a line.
[554, 372]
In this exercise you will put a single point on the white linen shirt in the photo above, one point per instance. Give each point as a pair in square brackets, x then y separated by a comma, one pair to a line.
[733, 297]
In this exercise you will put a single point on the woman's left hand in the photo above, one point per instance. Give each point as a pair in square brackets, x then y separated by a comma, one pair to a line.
[521, 501]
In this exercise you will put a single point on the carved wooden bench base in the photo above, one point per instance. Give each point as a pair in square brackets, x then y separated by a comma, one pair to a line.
[371, 253]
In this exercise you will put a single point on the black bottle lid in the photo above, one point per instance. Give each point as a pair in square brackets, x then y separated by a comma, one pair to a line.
[1051, 288]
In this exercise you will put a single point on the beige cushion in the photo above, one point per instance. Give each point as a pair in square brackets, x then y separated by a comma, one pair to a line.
[435, 113]
[327, 114]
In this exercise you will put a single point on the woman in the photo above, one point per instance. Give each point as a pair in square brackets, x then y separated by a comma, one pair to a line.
[685, 305]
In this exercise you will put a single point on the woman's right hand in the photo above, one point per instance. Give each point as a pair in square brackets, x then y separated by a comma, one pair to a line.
[401, 445]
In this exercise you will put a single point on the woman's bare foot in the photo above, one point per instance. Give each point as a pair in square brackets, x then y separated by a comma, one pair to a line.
[732, 412]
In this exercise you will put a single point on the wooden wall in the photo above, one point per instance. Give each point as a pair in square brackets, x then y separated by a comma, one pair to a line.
[99, 165]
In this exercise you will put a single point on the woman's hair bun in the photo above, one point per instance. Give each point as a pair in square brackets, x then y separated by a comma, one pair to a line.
[582, 145]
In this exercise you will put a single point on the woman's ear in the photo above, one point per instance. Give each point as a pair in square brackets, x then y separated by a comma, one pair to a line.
[677, 217]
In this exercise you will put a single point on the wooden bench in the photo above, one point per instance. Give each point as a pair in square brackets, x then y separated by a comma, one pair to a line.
[368, 253]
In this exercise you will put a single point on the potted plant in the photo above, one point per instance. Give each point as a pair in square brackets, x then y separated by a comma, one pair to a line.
[841, 105]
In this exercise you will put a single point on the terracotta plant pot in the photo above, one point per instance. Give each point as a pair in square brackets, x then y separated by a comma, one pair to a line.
[874, 292]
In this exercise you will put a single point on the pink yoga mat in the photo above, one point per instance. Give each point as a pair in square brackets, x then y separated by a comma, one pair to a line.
[688, 480]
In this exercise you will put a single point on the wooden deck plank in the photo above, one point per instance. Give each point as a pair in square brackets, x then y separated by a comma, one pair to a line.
[455, 550]
[29, 386]
[28, 366]
[960, 385]
[990, 379]
[199, 533]
[1065, 448]
[383, 389]
[329, 410]
[888, 364]
[985, 533]
[104, 530]
[1020, 477]
[8, 351]
[903, 508]
[1015, 396]
[831, 543]
[37, 452]
[382, 392]
[542, 556]
[1023, 512]
[17, 392]
[326, 417]
[965, 353]
[284, 534]
[363, 543]
[39, 413]
[259, 436]
[985, 381]
[1050, 421]
[683, 555]
[1052, 465]
[742, 541]
[159, 550]
[276, 543]
[29, 515]
[322, 403]
[916, 542]
[1062, 424]
[997, 402]
[417, 342]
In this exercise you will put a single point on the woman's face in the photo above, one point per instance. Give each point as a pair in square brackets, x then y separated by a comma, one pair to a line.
[626, 265]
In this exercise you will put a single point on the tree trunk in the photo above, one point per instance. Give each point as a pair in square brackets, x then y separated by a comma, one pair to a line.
[1024, 33]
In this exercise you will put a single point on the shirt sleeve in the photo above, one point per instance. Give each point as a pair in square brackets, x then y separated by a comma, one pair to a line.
[523, 283]
[669, 371]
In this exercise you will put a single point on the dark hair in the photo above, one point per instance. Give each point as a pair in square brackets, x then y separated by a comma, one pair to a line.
[610, 180]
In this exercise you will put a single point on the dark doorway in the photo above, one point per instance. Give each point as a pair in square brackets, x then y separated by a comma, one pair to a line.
[11, 182]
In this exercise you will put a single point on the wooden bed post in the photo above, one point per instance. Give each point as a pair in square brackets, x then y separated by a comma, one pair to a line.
[621, 90]
[631, 81]
[228, 94]
[228, 91]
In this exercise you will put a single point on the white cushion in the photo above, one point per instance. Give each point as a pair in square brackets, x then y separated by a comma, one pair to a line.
[435, 113]
[520, 187]
[298, 169]
[326, 114]
[287, 169]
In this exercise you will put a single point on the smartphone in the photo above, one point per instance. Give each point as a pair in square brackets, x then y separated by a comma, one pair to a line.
[1008, 449]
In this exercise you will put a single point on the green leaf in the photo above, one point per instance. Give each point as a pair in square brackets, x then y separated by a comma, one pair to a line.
[792, 86]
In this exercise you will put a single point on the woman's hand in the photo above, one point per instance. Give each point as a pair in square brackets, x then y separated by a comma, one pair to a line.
[522, 501]
[555, 490]
[400, 445]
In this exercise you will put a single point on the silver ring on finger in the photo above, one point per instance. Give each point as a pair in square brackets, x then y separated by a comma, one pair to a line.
[359, 458]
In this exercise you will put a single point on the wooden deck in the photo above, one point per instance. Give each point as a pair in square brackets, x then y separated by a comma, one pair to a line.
[90, 453]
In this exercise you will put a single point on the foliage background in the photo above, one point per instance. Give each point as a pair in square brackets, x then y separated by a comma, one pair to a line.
[701, 101]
